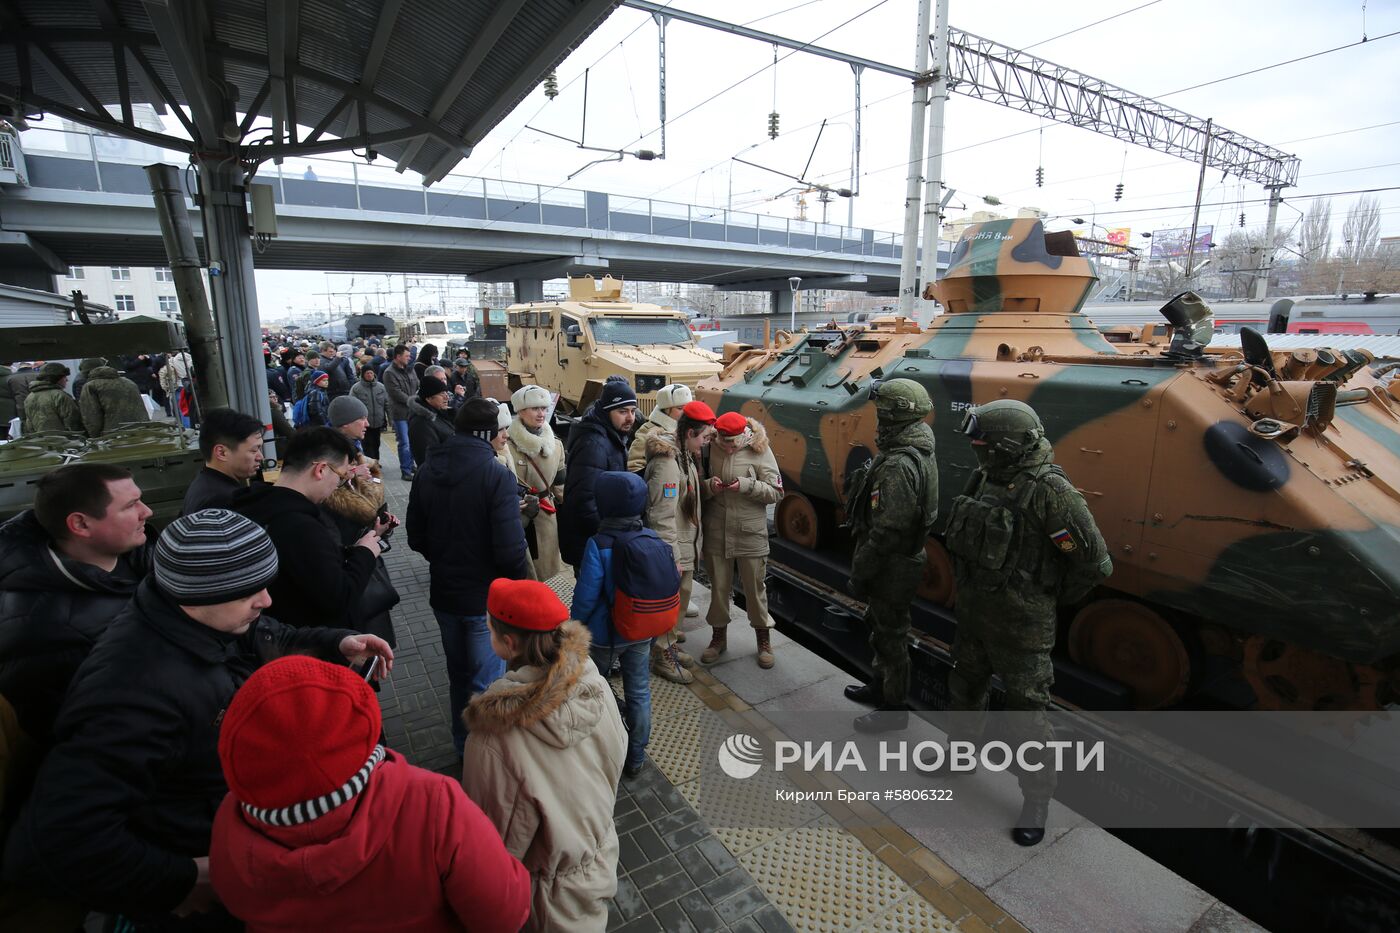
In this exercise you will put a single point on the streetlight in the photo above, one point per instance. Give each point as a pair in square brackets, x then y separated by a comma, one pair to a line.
[793, 283]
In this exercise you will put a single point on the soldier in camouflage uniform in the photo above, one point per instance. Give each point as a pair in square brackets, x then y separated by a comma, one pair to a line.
[1022, 542]
[893, 502]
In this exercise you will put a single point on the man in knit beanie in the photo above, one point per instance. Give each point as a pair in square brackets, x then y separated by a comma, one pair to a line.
[597, 445]
[122, 809]
[350, 417]
[324, 827]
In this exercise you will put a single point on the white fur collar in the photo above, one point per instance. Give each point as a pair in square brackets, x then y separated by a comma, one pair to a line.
[531, 444]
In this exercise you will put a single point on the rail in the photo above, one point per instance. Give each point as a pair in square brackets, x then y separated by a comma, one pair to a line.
[78, 159]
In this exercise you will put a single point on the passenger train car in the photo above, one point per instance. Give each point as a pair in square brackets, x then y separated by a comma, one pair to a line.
[1379, 315]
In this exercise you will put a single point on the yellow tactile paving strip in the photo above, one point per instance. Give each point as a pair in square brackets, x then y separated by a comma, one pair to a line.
[850, 868]
[847, 868]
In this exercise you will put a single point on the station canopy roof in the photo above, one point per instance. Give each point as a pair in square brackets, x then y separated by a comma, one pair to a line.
[418, 81]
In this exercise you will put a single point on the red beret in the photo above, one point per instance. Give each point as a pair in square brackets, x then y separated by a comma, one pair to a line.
[731, 423]
[699, 411]
[526, 604]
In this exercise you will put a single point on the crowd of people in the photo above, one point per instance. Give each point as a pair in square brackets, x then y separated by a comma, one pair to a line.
[102, 398]
[187, 739]
[189, 733]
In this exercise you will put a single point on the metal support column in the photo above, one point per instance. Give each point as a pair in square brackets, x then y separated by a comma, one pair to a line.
[855, 156]
[1266, 254]
[1196, 215]
[185, 266]
[224, 211]
[527, 290]
[781, 302]
[933, 174]
[909, 256]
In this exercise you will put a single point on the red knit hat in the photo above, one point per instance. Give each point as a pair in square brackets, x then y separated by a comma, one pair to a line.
[731, 423]
[699, 411]
[526, 604]
[299, 730]
[321, 375]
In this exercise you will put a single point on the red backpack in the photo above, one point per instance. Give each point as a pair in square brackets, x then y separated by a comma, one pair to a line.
[646, 598]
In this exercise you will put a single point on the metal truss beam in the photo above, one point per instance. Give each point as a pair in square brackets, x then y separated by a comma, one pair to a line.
[994, 72]
[988, 70]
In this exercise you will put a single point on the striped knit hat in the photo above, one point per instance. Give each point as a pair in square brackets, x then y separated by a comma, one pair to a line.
[300, 739]
[213, 556]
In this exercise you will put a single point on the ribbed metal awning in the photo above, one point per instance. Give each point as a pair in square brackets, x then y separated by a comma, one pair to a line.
[417, 81]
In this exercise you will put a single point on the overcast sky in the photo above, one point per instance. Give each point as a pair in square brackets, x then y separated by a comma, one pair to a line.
[1306, 108]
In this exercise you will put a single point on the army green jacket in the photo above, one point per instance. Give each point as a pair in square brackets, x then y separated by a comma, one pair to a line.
[893, 501]
[7, 400]
[49, 408]
[1026, 532]
[109, 399]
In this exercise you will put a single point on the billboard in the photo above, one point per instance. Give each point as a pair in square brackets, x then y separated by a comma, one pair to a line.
[1172, 244]
[1114, 236]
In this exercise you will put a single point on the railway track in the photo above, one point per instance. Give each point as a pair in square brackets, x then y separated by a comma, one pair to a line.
[1282, 878]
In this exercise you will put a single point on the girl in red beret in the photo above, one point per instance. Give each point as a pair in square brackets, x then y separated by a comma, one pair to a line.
[544, 754]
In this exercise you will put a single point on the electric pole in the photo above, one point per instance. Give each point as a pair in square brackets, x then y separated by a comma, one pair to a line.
[909, 255]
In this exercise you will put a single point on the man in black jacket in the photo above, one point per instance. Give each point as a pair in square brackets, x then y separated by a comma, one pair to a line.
[122, 810]
[67, 567]
[341, 373]
[464, 517]
[597, 445]
[232, 445]
[321, 582]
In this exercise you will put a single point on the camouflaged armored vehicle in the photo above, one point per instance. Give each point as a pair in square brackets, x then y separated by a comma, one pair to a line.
[162, 457]
[1250, 499]
[573, 346]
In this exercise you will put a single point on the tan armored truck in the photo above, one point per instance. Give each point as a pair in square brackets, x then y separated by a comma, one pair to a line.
[573, 346]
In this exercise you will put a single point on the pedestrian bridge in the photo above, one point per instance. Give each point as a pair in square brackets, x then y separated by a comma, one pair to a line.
[94, 208]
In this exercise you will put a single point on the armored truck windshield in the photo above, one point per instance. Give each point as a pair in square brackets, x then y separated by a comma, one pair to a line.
[668, 331]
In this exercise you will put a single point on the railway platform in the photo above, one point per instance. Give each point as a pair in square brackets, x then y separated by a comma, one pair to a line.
[845, 865]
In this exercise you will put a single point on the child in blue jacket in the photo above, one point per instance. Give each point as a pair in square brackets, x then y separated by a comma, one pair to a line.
[622, 497]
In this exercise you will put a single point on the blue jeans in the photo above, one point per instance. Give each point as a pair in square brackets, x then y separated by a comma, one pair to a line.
[635, 658]
[405, 452]
[471, 664]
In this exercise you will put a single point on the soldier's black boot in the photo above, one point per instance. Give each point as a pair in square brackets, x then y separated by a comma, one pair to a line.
[883, 719]
[863, 693]
[1030, 825]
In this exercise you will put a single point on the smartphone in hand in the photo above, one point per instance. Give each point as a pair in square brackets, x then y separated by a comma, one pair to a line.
[371, 668]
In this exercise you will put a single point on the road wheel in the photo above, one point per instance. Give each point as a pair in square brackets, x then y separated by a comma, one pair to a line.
[1133, 645]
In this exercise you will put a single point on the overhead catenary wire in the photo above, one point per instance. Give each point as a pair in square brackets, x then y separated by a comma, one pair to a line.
[1097, 22]
[1291, 61]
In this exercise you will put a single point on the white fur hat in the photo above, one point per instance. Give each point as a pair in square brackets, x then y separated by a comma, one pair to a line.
[502, 415]
[674, 395]
[530, 397]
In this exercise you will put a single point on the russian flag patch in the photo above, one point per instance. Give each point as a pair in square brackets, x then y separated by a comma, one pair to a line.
[1063, 540]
